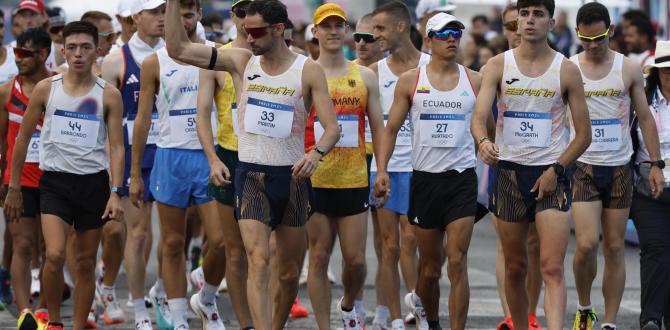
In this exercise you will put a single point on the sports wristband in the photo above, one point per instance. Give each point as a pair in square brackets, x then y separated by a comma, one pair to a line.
[212, 60]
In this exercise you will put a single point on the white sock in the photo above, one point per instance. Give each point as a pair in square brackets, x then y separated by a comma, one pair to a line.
[159, 286]
[360, 308]
[397, 324]
[611, 325]
[140, 308]
[208, 293]
[178, 311]
[584, 308]
[107, 290]
[382, 314]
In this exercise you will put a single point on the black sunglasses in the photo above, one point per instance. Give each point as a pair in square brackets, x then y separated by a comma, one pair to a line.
[367, 37]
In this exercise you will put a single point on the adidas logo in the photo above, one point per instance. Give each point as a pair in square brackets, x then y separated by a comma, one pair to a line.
[132, 80]
[465, 93]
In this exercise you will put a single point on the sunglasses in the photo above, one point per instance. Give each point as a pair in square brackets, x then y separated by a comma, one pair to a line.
[368, 38]
[108, 35]
[257, 32]
[20, 53]
[597, 38]
[512, 26]
[56, 29]
[444, 35]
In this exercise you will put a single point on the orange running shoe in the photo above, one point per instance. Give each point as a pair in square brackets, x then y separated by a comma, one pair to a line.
[42, 316]
[298, 311]
[506, 324]
[533, 323]
[55, 326]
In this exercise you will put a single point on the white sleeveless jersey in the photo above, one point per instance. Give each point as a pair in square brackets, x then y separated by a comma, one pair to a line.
[401, 159]
[441, 139]
[74, 131]
[532, 115]
[176, 103]
[609, 108]
[272, 115]
[8, 69]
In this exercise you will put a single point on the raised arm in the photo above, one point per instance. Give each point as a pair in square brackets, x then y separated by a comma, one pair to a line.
[179, 47]
[148, 90]
[13, 201]
[113, 106]
[647, 124]
[375, 116]
[316, 87]
[482, 118]
[220, 174]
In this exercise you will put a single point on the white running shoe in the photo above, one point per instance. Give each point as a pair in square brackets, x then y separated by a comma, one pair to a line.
[349, 319]
[35, 282]
[414, 303]
[113, 312]
[197, 277]
[410, 319]
[91, 320]
[398, 324]
[208, 313]
[163, 315]
[143, 324]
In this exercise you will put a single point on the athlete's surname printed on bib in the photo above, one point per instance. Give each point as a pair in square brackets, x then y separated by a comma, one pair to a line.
[442, 129]
[74, 128]
[531, 129]
[268, 118]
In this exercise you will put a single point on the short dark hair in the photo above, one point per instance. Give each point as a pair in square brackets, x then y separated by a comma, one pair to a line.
[38, 38]
[83, 27]
[272, 11]
[593, 12]
[211, 19]
[416, 37]
[482, 18]
[549, 4]
[644, 27]
[634, 14]
[189, 4]
[93, 16]
[396, 9]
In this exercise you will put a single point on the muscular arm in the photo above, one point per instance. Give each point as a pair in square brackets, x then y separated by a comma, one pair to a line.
[113, 118]
[203, 122]
[148, 89]
[315, 79]
[482, 118]
[573, 87]
[641, 108]
[179, 46]
[374, 110]
[396, 117]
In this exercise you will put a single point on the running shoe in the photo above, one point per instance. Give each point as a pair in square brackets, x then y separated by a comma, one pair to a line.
[143, 324]
[378, 325]
[298, 311]
[398, 324]
[129, 303]
[91, 321]
[409, 319]
[533, 323]
[349, 319]
[607, 327]
[55, 326]
[163, 316]
[360, 314]
[197, 277]
[113, 312]
[35, 282]
[42, 316]
[414, 303]
[26, 320]
[651, 325]
[208, 313]
[506, 324]
[585, 319]
[5, 288]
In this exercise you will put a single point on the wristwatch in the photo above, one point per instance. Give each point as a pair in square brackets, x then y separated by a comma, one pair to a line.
[117, 190]
[559, 169]
[320, 151]
[658, 163]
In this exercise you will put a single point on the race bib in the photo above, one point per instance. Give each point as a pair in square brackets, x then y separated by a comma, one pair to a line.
[404, 137]
[33, 155]
[182, 125]
[348, 131]
[268, 118]
[74, 128]
[368, 132]
[442, 129]
[606, 134]
[236, 125]
[531, 129]
[154, 130]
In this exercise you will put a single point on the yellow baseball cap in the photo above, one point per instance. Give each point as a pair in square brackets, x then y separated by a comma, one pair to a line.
[327, 10]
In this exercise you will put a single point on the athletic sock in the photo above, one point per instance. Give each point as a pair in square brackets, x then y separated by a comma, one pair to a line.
[611, 325]
[159, 285]
[140, 308]
[208, 293]
[382, 314]
[360, 308]
[584, 308]
[178, 311]
[107, 291]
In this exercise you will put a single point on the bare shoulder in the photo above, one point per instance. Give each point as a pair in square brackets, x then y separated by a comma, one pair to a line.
[374, 67]
[111, 94]
[113, 58]
[569, 67]
[408, 80]
[631, 68]
[367, 74]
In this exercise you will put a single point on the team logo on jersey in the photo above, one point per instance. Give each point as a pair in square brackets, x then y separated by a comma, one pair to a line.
[254, 77]
[389, 84]
[543, 92]
[607, 92]
[132, 80]
[465, 93]
[423, 90]
[169, 74]
[352, 83]
[511, 81]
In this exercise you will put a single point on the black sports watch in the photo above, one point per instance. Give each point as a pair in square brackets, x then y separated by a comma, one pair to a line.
[658, 163]
[559, 169]
[320, 151]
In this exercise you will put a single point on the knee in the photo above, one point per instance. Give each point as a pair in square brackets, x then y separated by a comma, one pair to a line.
[85, 266]
[22, 246]
[552, 272]
[391, 250]
[587, 248]
[55, 257]
[407, 236]
[456, 267]
[356, 263]
[113, 231]
[215, 243]
[258, 261]
[237, 257]
[318, 259]
[138, 236]
[613, 251]
[516, 268]
[173, 246]
[431, 271]
[289, 276]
